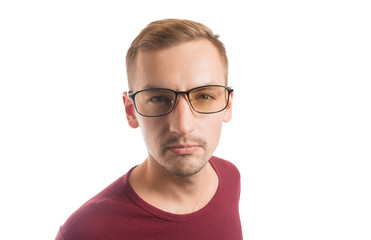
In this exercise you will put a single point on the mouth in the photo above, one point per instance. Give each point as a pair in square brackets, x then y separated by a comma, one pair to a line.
[184, 149]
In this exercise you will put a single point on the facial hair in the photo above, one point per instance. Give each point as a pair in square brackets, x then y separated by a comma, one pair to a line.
[184, 165]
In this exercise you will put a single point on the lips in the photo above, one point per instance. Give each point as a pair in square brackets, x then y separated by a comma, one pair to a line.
[183, 145]
[184, 149]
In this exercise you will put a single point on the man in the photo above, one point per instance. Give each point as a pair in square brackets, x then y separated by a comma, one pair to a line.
[177, 75]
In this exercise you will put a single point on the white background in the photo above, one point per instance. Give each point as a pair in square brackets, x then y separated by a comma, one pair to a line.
[300, 133]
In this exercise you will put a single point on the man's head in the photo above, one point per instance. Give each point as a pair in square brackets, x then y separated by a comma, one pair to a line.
[182, 139]
[167, 33]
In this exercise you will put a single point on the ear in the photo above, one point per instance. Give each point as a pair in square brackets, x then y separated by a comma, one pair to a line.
[228, 110]
[130, 111]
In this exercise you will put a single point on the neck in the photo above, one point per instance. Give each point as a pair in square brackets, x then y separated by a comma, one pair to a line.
[171, 193]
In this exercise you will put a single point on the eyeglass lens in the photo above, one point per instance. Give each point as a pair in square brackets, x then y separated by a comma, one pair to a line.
[157, 102]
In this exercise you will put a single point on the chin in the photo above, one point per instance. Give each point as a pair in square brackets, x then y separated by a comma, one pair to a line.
[185, 165]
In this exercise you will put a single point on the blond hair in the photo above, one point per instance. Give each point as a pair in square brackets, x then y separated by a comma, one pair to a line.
[170, 32]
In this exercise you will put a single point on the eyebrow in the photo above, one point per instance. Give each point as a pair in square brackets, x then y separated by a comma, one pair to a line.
[151, 86]
[148, 86]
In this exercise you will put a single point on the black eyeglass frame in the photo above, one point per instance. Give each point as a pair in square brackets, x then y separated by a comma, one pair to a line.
[132, 96]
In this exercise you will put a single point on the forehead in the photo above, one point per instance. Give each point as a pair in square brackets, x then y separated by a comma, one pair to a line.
[180, 67]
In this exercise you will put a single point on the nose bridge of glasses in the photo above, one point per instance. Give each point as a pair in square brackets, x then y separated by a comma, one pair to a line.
[186, 98]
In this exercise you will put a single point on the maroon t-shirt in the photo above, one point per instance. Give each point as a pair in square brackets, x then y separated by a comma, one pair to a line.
[118, 213]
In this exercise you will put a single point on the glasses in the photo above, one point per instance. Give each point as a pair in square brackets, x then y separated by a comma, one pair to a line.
[157, 102]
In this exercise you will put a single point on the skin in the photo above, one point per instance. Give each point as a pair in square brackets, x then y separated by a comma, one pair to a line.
[176, 177]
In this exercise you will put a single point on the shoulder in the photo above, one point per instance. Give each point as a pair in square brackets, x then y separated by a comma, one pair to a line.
[229, 179]
[224, 167]
[96, 213]
[227, 172]
[88, 220]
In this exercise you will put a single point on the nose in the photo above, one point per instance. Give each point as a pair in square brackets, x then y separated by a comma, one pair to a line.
[182, 119]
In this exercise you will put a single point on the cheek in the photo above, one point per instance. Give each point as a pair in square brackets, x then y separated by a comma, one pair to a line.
[152, 130]
[211, 129]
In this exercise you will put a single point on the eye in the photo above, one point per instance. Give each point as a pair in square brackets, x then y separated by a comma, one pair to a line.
[204, 96]
[159, 99]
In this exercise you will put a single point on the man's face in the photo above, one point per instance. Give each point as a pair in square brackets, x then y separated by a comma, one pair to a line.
[183, 141]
